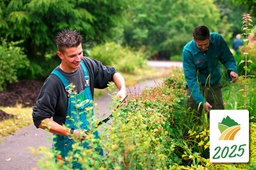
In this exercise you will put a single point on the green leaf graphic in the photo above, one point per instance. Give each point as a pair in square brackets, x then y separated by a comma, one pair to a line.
[222, 127]
[228, 122]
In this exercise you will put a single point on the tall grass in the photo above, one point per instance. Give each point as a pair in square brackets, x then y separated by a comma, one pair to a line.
[233, 95]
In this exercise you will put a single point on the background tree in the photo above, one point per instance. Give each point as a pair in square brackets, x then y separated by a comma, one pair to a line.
[234, 14]
[249, 4]
[37, 22]
[164, 27]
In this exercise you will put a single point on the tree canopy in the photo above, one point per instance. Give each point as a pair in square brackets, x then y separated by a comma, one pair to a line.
[166, 26]
[234, 13]
[163, 27]
[250, 4]
[37, 22]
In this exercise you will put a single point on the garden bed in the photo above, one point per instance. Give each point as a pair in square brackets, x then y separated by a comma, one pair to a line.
[19, 93]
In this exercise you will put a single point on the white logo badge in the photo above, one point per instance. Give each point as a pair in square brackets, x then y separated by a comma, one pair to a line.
[229, 136]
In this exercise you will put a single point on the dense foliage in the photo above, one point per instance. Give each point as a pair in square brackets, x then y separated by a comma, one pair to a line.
[123, 59]
[251, 66]
[160, 28]
[234, 13]
[250, 4]
[36, 22]
[236, 100]
[152, 130]
[164, 27]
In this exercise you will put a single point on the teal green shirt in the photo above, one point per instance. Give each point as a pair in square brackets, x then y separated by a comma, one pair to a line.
[203, 68]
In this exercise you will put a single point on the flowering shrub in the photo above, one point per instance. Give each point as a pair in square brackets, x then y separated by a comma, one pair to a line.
[152, 130]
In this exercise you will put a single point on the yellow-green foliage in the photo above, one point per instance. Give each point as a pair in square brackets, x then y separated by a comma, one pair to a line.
[152, 130]
[122, 58]
[135, 140]
[251, 59]
[253, 144]
[234, 98]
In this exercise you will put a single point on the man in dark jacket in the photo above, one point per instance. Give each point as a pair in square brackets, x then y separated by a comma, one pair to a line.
[201, 63]
[68, 90]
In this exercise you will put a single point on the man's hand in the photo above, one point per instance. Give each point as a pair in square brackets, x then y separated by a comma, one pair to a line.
[120, 84]
[122, 94]
[207, 107]
[233, 76]
[80, 134]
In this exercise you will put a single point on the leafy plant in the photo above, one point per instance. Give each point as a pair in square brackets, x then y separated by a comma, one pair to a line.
[122, 58]
[12, 59]
[245, 85]
[152, 130]
[247, 23]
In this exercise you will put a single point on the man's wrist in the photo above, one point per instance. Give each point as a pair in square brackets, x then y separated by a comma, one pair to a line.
[71, 132]
[83, 133]
[77, 134]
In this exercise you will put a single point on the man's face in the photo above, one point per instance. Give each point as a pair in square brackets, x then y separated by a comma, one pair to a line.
[70, 58]
[202, 44]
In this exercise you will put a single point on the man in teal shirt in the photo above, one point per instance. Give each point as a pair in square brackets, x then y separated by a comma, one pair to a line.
[201, 59]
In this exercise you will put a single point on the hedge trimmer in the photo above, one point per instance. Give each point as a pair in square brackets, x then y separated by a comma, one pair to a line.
[110, 116]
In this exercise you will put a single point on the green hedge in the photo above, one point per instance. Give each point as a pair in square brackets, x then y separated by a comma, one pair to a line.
[152, 130]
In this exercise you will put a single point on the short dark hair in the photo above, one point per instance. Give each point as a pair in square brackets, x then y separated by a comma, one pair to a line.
[201, 32]
[68, 39]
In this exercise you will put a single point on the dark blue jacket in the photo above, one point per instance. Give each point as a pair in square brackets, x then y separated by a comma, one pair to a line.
[237, 43]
